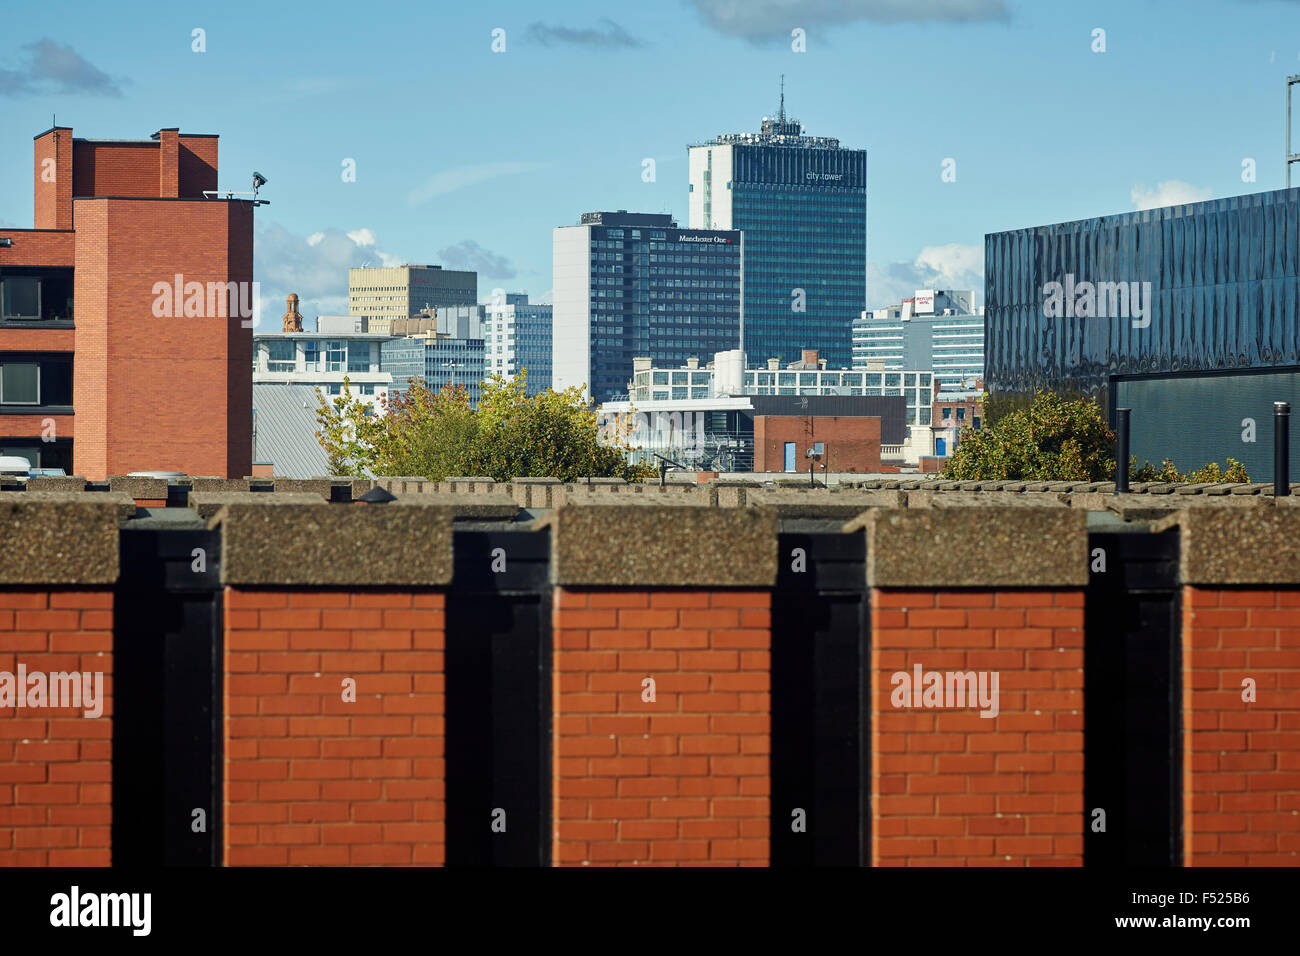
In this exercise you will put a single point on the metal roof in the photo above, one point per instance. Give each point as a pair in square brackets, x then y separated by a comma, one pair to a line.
[284, 423]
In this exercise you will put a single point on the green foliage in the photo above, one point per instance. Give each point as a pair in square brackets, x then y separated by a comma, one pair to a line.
[1053, 439]
[1149, 472]
[510, 435]
[1211, 473]
[347, 431]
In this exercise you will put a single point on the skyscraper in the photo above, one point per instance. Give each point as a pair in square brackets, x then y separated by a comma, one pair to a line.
[936, 329]
[400, 292]
[633, 285]
[518, 334]
[801, 202]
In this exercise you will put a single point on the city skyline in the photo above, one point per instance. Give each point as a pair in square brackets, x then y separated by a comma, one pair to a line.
[487, 164]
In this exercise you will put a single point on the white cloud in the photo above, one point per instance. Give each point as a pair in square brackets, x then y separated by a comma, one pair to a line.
[953, 265]
[1172, 192]
[314, 266]
[450, 180]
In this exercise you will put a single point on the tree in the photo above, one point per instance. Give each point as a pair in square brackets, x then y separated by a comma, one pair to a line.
[510, 435]
[1057, 438]
[1054, 439]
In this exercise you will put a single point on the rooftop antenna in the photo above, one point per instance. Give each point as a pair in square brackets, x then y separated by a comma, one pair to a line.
[781, 113]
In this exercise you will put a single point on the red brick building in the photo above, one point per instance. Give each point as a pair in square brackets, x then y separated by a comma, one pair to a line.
[123, 345]
[839, 443]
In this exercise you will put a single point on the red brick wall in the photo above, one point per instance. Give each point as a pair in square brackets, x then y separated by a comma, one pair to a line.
[53, 198]
[679, 781]
[171, 393]
[310, 778]
[34, 247]
[55, 764]
[198, 164]
[169, 163]
[952, 788]
[115, 169]
[852, 443]
[36, 340]
[31, 426]
[1241, 761]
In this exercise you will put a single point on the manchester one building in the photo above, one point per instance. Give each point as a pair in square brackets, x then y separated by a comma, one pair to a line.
[1189, 315]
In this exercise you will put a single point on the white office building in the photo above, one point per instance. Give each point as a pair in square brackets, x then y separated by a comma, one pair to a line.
[341, 347]
[938, 330]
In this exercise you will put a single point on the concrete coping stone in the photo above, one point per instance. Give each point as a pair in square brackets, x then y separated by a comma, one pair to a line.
[1241, 546]
[53, 537]
[218, 484]
[358, 546]
[124, 503]
[1254, 488]
[140, 488]
[991, 547]
[464, 506]
[983, 499]
[318, 486]
[1160, 488]
[838, 504]
[661, 545]
[208, 503]
[56, 483]
[536, 481]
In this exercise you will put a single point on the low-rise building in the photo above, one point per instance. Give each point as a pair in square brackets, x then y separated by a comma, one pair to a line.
[341, 347]
[727, 375]
[956, 407]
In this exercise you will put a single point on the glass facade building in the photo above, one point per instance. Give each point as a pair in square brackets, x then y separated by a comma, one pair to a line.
[441, 360]
[633, 285]
[518, 336]
[801, 202]
[1160, 295]
[936, 329]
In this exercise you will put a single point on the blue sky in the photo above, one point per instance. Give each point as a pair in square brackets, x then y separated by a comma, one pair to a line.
[469, 158]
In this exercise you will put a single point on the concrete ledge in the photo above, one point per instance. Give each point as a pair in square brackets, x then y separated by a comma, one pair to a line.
[141, 489]
[403, 484]
[1143, 507]
[485, 507]
[208, 503]
[660, 545]
[218, 484]
[992, 547]
[815, 503]
[56, 483]
[315, 486]
[981, 499]
[1237, 545]
[359, 546]
[59, 538]
[532, 492]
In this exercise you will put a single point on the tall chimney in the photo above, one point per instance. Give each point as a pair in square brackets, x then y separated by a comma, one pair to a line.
[292, 318]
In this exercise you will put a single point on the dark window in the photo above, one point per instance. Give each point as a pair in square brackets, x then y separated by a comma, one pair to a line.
[22, 297]
[20, 383]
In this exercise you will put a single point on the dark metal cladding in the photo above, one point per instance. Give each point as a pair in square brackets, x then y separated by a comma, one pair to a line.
[1225, 294]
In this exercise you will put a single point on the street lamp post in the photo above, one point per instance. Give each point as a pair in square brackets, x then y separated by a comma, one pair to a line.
[453, 366]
